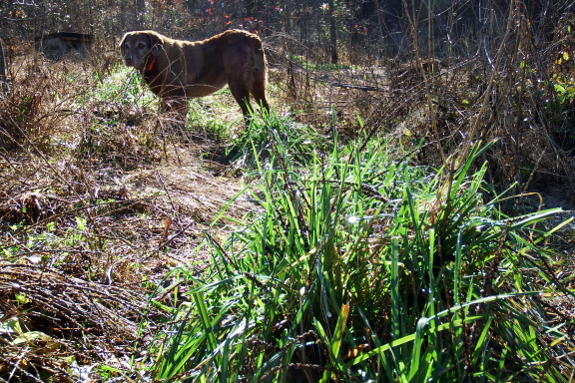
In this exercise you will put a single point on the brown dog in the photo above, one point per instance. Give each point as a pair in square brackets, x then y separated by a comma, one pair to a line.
[178, 70]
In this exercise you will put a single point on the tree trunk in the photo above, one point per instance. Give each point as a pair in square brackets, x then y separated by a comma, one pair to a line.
[140, 13]
[240, 10]
[315, 16]
[3, 83]
[332, 33]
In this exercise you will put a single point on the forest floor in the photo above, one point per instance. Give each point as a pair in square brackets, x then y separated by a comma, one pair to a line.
[93, 227]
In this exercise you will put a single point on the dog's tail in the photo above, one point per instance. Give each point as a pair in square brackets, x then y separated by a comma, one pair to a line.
[259, 59]
[258, 70]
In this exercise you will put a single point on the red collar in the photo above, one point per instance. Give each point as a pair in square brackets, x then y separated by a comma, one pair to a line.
[151, 64]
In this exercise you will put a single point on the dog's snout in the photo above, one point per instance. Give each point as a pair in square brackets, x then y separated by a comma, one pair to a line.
[129, 59]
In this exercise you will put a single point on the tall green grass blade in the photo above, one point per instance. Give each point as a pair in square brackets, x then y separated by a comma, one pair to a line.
[205, 320]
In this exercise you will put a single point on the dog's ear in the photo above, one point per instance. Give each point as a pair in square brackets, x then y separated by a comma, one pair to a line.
[122, 48]
[157, 43]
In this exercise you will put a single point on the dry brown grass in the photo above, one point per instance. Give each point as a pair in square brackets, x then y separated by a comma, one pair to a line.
[98, 202]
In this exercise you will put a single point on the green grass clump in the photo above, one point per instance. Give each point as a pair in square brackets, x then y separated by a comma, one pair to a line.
[123, 86]
[272, 139]
[361, 267]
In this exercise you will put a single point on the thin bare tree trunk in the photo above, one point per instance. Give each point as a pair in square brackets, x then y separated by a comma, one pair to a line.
[316, 31]
[240, 10]
[3, 83]
[380, 24]
[140, 13]
[332, 33]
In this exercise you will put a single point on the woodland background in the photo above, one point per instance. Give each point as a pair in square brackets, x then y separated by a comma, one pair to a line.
[521, 52]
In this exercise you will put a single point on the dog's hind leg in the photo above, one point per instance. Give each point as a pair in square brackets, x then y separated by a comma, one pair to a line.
[259, 93]
[242, 96]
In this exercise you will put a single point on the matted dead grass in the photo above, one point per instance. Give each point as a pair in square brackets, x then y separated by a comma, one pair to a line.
[79, 271]
[99, 201]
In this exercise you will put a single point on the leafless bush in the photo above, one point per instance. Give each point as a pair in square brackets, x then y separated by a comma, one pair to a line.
[509, 79]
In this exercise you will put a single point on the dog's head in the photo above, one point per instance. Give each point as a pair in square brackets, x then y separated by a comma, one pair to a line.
[137, 46]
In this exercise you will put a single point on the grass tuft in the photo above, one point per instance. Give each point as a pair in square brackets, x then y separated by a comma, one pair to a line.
[362, 267]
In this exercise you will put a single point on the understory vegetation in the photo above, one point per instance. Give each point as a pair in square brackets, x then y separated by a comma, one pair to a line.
[361, 267]
[394, 218]
[132, 252]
